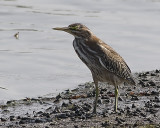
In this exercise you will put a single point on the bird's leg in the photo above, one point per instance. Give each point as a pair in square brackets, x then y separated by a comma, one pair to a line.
[116, 98]
[96, 99]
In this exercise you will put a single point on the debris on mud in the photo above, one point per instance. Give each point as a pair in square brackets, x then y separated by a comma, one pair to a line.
[137, 106]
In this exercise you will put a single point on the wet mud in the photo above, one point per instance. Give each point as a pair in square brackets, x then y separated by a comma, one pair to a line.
[138, 106]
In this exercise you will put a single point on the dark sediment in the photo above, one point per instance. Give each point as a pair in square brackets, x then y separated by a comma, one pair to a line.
[138, 106]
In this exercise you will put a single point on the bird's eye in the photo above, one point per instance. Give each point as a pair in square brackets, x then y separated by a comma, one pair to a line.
[74, 28]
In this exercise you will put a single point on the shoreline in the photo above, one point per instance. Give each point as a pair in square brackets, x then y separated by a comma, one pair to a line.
[137, 106]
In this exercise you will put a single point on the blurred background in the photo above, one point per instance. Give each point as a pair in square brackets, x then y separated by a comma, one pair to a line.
[42, 62]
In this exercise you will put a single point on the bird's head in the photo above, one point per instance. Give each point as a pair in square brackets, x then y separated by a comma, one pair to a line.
[77, 30]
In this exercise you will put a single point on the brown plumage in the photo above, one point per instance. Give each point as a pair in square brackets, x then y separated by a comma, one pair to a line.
[105, 64]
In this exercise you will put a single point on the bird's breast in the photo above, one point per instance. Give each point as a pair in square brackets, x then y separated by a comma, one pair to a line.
[84, 53]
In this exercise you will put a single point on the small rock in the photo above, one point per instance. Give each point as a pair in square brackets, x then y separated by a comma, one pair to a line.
[46, 115]
[129, 89]
[157, 106]
[107, 101]
[22, 122]
[133, 106]
[135, 113]
[152, 111]
[90, 94]
[141, 83]
[64, 104]
[99, 101]
[56, 110]
[18, 117]
[152, 74]
[148, 119]
[119, 120]
[10, 102]
[155, 93]
[58, 96]
[120, 99]
[127, 108]
[12, 118]
[156, 99]
[138, 110]
[61, 116]
[75, 126]
[40, 121]
[105, 124]
[5, 111]
[3, 119]
[40, 112]
[142, 114]
[144, 80]
[134, 98]
[151, 83]
[104, 97]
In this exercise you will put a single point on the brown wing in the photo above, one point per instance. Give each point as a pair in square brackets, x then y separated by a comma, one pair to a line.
[112, 61]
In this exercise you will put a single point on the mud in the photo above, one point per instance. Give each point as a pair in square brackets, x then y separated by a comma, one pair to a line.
[138, 106]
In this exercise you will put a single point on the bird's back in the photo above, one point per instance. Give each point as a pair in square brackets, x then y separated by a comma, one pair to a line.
[103, 61]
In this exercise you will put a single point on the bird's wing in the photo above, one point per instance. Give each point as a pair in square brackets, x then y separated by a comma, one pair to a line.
[112, 61]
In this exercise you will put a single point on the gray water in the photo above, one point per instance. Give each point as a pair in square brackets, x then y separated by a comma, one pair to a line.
[42, 62]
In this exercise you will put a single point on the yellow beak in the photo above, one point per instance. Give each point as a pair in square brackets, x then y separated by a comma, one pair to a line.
[61, 29]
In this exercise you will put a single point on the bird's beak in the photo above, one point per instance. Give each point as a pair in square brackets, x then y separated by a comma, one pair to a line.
[61, 29]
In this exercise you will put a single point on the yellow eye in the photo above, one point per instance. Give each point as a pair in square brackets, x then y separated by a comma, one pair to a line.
[75, 28]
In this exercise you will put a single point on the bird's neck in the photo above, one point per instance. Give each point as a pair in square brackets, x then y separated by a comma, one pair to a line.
[91, 37]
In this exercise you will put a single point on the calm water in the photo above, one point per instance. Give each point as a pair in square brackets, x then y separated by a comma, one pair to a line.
[43, 61]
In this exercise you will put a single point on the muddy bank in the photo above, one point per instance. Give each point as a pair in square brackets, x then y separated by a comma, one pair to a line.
[137, 106]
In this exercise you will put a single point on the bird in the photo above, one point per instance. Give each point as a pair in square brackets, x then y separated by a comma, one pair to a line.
[105, 64]
[16, 35]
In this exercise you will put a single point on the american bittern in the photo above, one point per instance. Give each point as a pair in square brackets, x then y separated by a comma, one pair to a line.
[105, 64]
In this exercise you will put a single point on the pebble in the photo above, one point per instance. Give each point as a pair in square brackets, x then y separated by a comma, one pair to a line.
[133, 106]
[10, 102]
[104, 97]
[64, 104]
[138, 110]
[105, 124]
[141, 83]
[99, 101]
[56, 110]
[134, 98]
[3, 119]
[156, 106]
[90, 94]
[151, 83]
[12, 118]
[156, 99]
[151, 110]
[61, 116]
[152, 74]
[155, 93]
[120, 99]
[143, 114]
[119, 120]
[135, 113]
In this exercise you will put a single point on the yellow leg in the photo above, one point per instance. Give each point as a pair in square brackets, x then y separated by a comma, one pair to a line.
[116, 98]
[96, 99]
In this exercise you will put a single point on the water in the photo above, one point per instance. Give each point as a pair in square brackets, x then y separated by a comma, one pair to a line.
[43, 62]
